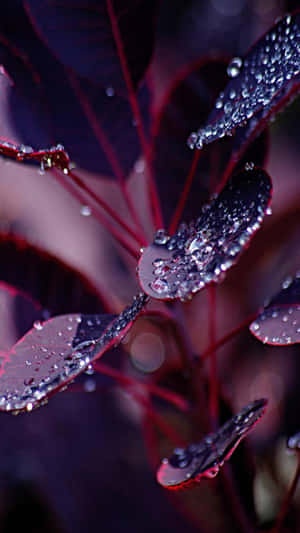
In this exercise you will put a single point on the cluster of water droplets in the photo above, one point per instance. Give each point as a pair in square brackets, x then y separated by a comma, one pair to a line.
[56, 156]
[258, 83]
[56, 351]
[203, 251]
[279, 322]
[207, 457]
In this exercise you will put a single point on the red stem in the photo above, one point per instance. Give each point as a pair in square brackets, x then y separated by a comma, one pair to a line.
[170, 396]
[213, 374]
[158, 220]
[105, 144]
[287, 500]
[61, 179]
[139, 239]
[228, 336]
[184, 195]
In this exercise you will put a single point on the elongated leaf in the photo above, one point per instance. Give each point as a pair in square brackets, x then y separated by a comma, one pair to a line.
[51, 354]
[205, 459]
[198, 254]
[279, 322]
[260, 84]
[80, 33]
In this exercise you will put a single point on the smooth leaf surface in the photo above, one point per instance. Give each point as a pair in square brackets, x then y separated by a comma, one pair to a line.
[201, 253]
[279, 322]
[80, 33]
[260, 84]
[47, 105]
[204, 460]
[52, 353]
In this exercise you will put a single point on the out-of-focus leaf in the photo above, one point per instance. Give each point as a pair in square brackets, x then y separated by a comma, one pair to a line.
[80, 33]
[46, 105]
[201, 253]
[52, 353]
[205, 459]
[279, 322]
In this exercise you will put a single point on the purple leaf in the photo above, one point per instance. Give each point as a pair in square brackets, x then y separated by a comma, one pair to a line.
[42, 107]
[80, 33]
[187, 104]
[201, 253]
[51, 354]
[279, 322]
[260, 84]
[205, 459]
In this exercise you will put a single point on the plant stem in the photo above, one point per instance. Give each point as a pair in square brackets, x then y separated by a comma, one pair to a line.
[184, 195]
[213, 373]
[71, 188]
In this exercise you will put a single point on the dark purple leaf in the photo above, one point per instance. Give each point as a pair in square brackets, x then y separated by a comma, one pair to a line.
[201, 253]
[293, 442]
[51, 354]
[185, 106]
[45, 279]
[80, 33]
[205, 459]
[279, 322]
[260, 84]
[46, 105]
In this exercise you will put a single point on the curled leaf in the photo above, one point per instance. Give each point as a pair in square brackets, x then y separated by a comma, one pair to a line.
[205, 459]
[200, 253]
[53, 352]
[279, 322]
[260, 84]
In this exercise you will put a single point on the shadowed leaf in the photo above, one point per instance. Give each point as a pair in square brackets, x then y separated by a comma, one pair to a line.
[51, 354]
[201, 253]
[279, 322]
[205, 459]
[81, 36]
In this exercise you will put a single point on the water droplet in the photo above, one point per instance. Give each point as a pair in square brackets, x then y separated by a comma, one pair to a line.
[110, 91]
[234, 67]
[85, 210]
[38, 325]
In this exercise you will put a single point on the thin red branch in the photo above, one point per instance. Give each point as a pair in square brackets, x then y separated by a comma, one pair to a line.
[71, 188]
[171, 397]
[213, 373]
[105, 144]
[184, 195]
[138, 238]
[158, 220]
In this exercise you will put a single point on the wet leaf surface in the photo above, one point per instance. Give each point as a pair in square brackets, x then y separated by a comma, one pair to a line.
[205, 459]
[279, 322]
[52, 353]
[260, 84]
[201, 253]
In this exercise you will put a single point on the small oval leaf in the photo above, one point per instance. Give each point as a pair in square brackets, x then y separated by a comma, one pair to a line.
[198, 254]
[188, 465]
[279, 322]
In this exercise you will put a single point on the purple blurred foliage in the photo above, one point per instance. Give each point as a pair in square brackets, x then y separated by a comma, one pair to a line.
[79, 463]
